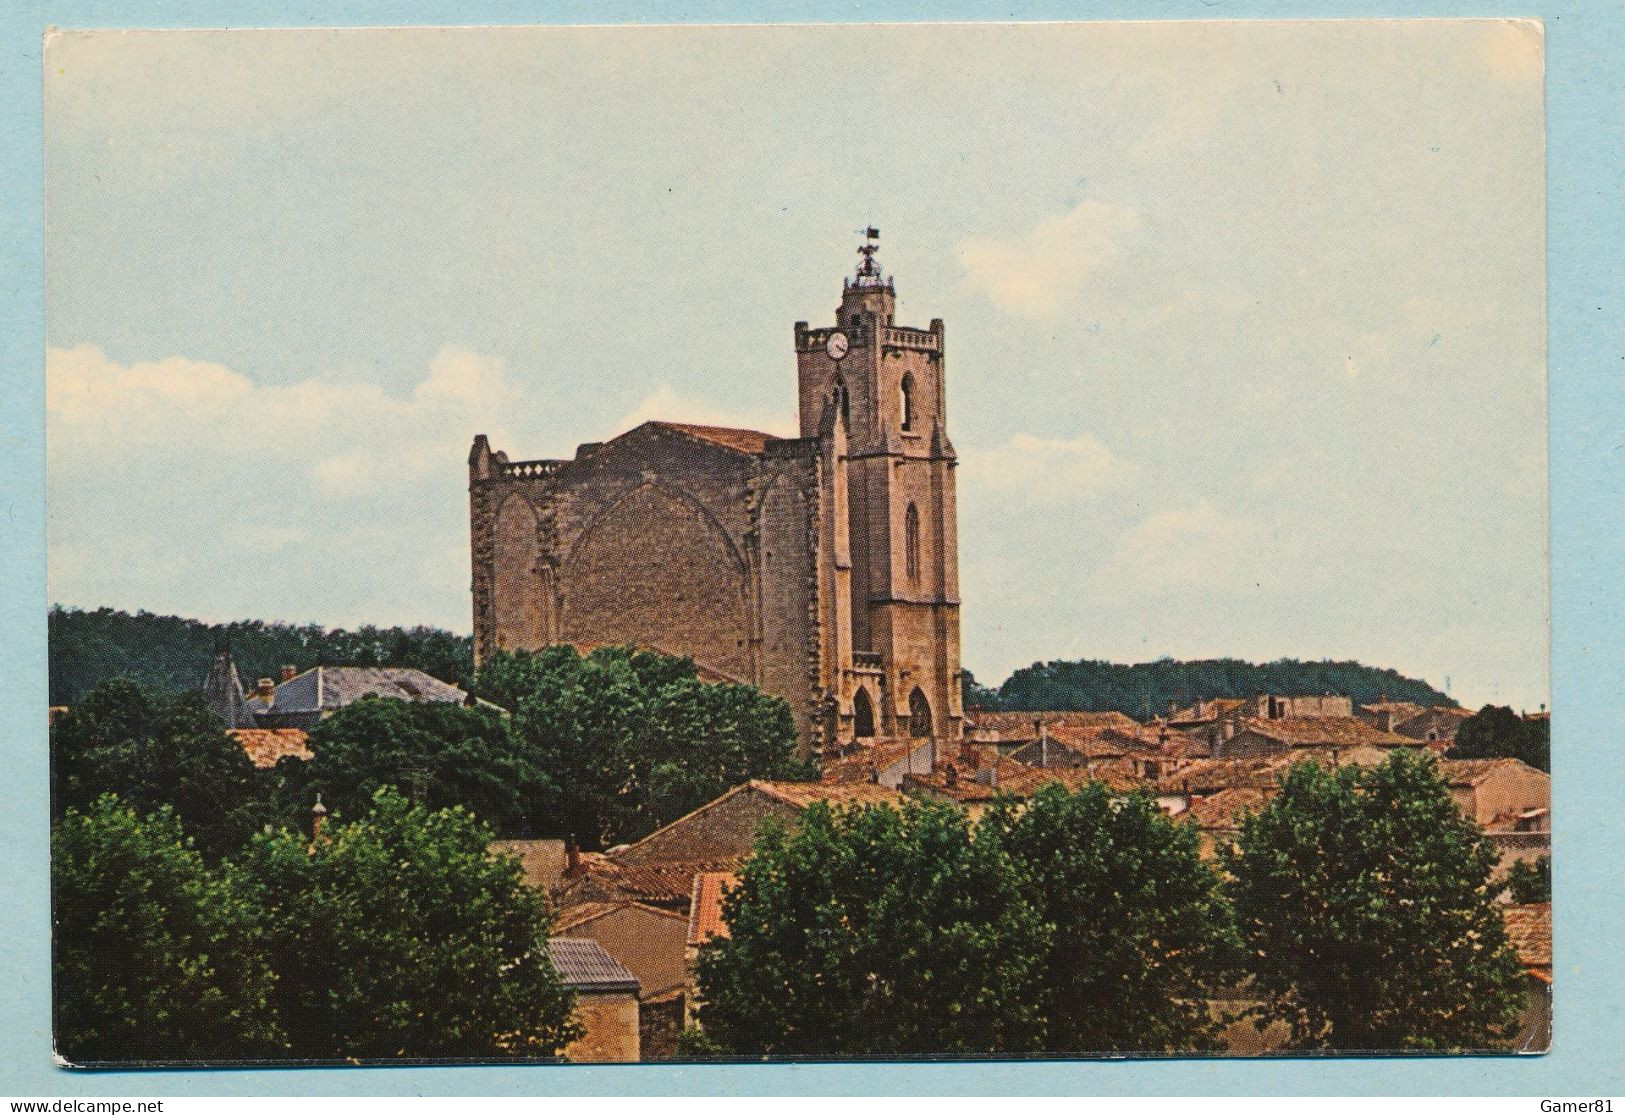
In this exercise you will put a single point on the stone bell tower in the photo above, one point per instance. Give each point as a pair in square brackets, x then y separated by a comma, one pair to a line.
[885, 383]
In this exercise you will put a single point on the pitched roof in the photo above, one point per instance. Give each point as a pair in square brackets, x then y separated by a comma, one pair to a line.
[1529, 929]
[584, 912]
[705, 920]
[1471, 772]
[223, 692]
[1219, 810]
[266, 746]
[1433, 719]
[803, 794]
[332, 687]
[741, 441]
[584, 966]
[876, 755]
[1019, 725]
[1323, 731]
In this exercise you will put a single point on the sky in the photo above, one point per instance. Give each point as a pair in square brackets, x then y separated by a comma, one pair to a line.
[1245, 320]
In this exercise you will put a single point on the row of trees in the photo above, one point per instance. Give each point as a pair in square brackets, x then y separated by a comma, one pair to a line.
[1145, 689]
[394, 936]
[607, 746]
[1354, 911]
[171, 653]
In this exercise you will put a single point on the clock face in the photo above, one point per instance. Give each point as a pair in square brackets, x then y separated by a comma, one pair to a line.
[837, 345]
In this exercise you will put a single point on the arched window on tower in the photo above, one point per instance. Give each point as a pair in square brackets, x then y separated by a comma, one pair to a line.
[863, 715]
[843, 401]
[911, 542]
[905, 400]
[919, 714]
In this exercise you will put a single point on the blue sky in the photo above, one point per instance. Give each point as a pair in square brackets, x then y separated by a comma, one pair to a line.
[1245, 321]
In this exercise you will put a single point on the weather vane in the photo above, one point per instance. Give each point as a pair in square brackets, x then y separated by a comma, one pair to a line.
[869, 270]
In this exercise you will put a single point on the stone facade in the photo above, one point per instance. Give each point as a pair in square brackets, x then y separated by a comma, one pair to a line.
[823, 568]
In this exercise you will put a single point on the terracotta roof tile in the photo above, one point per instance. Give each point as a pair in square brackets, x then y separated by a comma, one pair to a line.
[1471, 772]
[705, 920]
[803, 794]
[266, 746]
[1219, 810]
[1529, 929]
[583, 912]
[1323, 731]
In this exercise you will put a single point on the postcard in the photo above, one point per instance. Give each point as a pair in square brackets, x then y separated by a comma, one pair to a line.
[738, 543]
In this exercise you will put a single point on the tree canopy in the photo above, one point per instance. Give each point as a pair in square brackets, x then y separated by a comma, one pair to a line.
[399, 935]
[876, 932]
[171, 653]
[1496, 732]
[1146, 689]
[1142, 933]
[157, 749]
[155, 956]
[436, 753]
[1530, 881]
[1365, 903]
[633, 739]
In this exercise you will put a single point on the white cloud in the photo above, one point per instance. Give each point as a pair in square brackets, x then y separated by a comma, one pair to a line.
[1040, 274]
[1046, 469]
[665, 405]
[1201, 549]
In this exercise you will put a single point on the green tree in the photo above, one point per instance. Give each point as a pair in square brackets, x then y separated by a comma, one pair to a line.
[399, 935]
[633, 739]
[1496, 732]
[155, 957]
[1143, 934]
[876, 932]
[1365, 902]
[1531, 882]
[437, 754]
[155, 749]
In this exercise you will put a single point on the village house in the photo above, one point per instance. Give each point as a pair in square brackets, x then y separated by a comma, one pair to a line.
[1529, 931]
[1250, 736]
[606, 1001]
[649, 942]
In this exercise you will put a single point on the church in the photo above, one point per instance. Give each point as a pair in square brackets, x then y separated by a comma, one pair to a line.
[822, 569]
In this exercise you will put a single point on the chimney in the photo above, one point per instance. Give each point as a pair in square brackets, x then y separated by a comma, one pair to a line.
[289, 673]
[951, 776]
[572, 857]
[1173, 707]
[265, 690]
[318, 817]
[1387, 720]
[1043, 743]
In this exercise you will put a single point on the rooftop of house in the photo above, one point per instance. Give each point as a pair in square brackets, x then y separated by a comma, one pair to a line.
[1529, 930]
[873, 755]
[265, 747]
[585, 967]
[705, 920]
[1016, 727]
[1472, 772]
[584, 913]
[324, 688]
[803, 794]
[1219, 811]
[1323, 731]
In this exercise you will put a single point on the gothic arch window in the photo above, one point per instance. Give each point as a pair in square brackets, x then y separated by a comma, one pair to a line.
[919, 714]
[911, 542]
[863, 715]
[843, 399]
[905, 400]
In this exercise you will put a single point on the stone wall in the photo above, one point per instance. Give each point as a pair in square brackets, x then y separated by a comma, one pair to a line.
[611, 1025]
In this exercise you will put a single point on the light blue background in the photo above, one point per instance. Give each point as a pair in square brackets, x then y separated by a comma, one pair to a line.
[1587, 168]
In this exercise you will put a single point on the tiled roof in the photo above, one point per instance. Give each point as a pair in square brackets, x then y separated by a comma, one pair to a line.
[1445, 720]
[580, 914]
[1212, 775]
[1018, 780]
[1398, 708]
[332, 687]
[669, 883]
[1219, 810]
[1323, 731]
[265, 746]
[878, 755]
[1529, 929]
[803, 794]
[705, 919]
[741, 441]
[1470, 772]
[585, 966]
[1019, 725]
